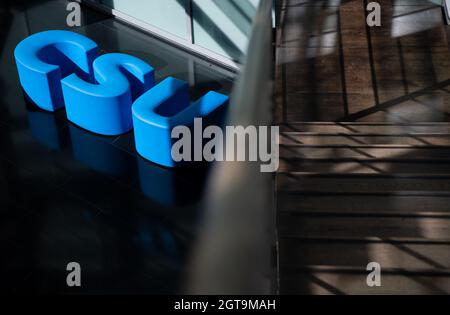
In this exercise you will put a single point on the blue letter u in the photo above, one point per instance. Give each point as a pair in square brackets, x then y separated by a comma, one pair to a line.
[163, 108]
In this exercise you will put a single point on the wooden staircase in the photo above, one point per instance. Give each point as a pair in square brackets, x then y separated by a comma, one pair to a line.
[353, 193]
[365, 147]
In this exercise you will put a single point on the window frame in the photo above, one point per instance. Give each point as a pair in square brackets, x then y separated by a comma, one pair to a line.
[187, 44]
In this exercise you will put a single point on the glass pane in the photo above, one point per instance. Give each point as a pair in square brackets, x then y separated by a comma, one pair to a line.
[224, 26]
[168, 15]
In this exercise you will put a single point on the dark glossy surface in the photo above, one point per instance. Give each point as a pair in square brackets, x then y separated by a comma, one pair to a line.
[69, 195]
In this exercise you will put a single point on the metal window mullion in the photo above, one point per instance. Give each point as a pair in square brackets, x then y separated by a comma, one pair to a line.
[189, 21]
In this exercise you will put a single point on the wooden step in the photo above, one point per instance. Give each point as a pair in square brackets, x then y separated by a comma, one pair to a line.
[406, 152]
[291, 225]
[355, 128]
[294, 253]
[365, 204]
[368, 165]
[340, 282]
[418, 139]
[297, 183]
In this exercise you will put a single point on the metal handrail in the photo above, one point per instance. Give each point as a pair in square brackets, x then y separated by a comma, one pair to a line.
[234, 254]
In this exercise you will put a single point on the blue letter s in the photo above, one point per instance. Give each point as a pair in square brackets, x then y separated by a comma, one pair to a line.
[105, 108]
[43, 59]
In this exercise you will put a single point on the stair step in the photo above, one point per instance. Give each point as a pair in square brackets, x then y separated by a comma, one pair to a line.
[341, 282]
[364, 152]
[431, 272]
[311, 138]
[294, 183]
[371, 240]
[363, 203]
[367, 123]
[364, 166]
[291, 225]
[381, 128]
[356, 254]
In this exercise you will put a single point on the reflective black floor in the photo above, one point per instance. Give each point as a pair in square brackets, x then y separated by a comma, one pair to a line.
[70, 196]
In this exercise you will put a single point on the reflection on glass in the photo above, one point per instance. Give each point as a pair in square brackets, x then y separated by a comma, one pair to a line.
[223, 26]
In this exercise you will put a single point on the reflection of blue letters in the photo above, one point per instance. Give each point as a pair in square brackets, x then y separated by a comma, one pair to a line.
[61, 68]
[165, 187]
[98, 154]
[45, 128]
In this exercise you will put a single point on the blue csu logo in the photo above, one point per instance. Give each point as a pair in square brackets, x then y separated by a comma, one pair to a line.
[110, 94]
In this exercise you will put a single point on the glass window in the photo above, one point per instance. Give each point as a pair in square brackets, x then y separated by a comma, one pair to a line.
[216, 28]
[223, 26]
[167, 15]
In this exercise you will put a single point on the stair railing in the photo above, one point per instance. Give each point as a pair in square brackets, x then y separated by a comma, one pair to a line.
[235, 251]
